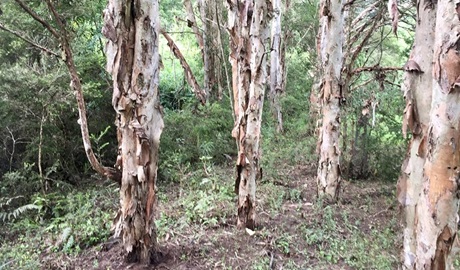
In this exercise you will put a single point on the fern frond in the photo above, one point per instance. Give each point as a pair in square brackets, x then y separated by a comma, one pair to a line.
[10, 215]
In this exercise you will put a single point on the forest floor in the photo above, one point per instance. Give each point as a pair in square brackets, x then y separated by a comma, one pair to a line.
[197, 227]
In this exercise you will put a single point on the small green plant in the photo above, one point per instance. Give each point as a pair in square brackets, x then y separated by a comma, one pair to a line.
[283, 243]
[8, 214]
[98, 143]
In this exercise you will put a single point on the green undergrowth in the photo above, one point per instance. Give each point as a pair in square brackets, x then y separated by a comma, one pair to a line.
[199, 212]
[61, 223]
[196, 214]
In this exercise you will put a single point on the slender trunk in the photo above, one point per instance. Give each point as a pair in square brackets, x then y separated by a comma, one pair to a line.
[40, 147]
[354, 144]
[132, 29]
[437, 208]
[219, 61]
[315, 107]
[344, 143]
[417, 93]
[276, 67]
[331, 55]
[248, 25]
[208, 34]
[191, 21]
[13, 149]
[222, 57]
[284, 41]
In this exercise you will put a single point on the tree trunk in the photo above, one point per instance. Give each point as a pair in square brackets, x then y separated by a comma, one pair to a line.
[331, 58]
[248, 26]
[436, 221]
[276, 67]
[209, 52]
[191, 21]
[132, 29]
[220, 46]
[417, 87]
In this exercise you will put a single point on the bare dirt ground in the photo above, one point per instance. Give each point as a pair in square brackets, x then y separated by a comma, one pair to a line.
[293, 232]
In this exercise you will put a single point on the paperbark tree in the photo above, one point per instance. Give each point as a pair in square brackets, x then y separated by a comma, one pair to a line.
[276, 66]
[436, 220]
[330, 40]
[417, 85]
[248, 22]
[132, 29]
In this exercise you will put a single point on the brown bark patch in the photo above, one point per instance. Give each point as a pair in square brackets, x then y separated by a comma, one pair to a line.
[246, 214]
[422, 148]
[411, 118]
[457, 9]
[442, 176]
[450, 63]
[401, 187]
[443, 247]
[412, 66]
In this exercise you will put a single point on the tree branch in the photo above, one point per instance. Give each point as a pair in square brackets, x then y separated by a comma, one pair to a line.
[199, 93]
[21, 36]
[38, 18]
[75, 84]
[57, 18]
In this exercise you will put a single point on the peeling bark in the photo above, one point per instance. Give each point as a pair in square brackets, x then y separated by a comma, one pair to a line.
[417, 94]
[200, 94]
[437, 209]
[248, 27]
[132, 28]
[330, 45]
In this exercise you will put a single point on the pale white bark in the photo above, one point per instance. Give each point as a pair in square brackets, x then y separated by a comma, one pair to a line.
[276, 66]
[331, 38]
[248, 25]
[191, 21]
[437, 209]
[417, 93]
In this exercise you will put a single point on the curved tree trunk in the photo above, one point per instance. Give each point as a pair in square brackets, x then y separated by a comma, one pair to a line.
[132, 28]
[248, 25]
[417, 87]
[67, 57]
[437, 208]
[331, 57]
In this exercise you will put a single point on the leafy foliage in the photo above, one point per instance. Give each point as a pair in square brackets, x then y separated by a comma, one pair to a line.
[190, 135]
[12, 214]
